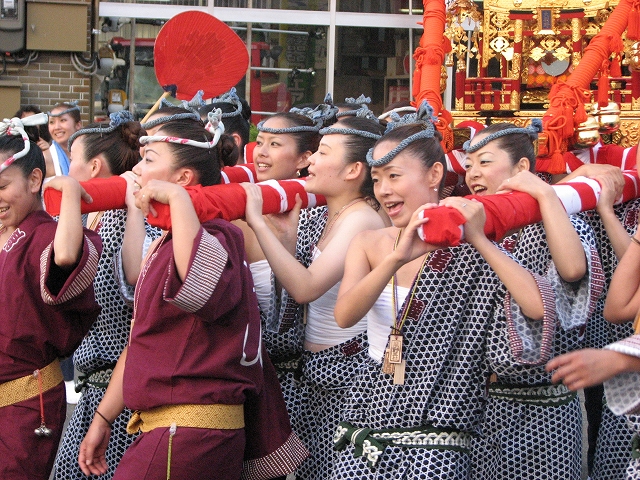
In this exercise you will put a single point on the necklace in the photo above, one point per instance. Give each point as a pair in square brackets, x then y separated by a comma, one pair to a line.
[335, 217]
[393, 362]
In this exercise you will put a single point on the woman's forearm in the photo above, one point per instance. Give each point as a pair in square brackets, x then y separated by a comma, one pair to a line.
[185, 227]
[112, 403]
[132, 245]
[623, 297]
[564, 243]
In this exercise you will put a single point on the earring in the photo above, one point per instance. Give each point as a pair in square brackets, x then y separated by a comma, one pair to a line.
[435, 189]
[298, 173]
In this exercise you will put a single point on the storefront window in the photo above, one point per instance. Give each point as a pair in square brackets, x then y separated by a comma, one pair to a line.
[185, 3]
[288, 66]
[374, 62]
[289, 57]
[313, 5]
[380, 6]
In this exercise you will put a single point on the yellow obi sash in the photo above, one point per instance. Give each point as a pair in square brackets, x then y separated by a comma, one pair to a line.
[215, 417]
[24, 388]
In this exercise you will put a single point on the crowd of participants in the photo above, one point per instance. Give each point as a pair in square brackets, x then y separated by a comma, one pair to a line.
[328, 342]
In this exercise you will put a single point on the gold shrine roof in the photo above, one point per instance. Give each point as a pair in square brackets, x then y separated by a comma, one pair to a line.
[590, 7]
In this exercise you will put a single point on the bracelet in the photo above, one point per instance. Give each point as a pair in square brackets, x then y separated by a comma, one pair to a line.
[105, 419]
[635, 240]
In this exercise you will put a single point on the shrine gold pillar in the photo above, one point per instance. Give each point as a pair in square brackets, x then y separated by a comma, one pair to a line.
[576, 39]
[516, 64]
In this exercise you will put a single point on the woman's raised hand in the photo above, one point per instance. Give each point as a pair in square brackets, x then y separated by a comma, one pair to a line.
[163, 192]
[66, 183]
[410, 246]
[526, 182]
[474, 214]
[611, 182]
[130, 198]
[253, 207]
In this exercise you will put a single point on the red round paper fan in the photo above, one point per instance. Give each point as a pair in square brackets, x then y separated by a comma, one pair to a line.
[196, 51]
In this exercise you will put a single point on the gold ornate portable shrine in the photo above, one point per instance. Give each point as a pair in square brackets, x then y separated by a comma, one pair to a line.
[508, 54]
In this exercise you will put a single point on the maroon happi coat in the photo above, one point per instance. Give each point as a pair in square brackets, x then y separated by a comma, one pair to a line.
[44, 315]
[199, 342]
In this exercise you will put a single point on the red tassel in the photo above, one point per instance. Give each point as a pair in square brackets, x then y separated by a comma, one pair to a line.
[603, 89]
[557, 164]
[417, 76]
[616, 45]
[568, 129]
[633, 27]
[580, 114]
[616, 71]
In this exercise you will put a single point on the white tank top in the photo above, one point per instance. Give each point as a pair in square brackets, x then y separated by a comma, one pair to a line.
[380, 320]
[261, 273]
[321, 324]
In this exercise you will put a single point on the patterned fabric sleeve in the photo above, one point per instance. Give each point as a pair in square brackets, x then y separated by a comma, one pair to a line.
[575, 302]
[272, 315]
[57, 287]
[623, 391]
[284, 325]
[152, 234]
[531, 340]
[207, 263]
[213, 284]
[284, 320]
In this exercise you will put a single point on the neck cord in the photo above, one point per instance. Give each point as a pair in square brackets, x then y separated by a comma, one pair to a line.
[335, 217]
[400, 319]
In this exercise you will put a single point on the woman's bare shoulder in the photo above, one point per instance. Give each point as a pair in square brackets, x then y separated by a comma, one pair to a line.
[381, 239]
[366, 217]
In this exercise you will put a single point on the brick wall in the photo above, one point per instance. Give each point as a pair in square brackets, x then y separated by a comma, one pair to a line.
[51, 79]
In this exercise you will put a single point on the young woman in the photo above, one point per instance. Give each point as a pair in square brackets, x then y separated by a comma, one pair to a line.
[418, 397]
[100, 151]
[311, 279]
[46, 275]
[618, 364]
[609, 434]
[532, 428]
[64, 121]
[284, 144]
[40, 135]
[283, 147]
[194, 357]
